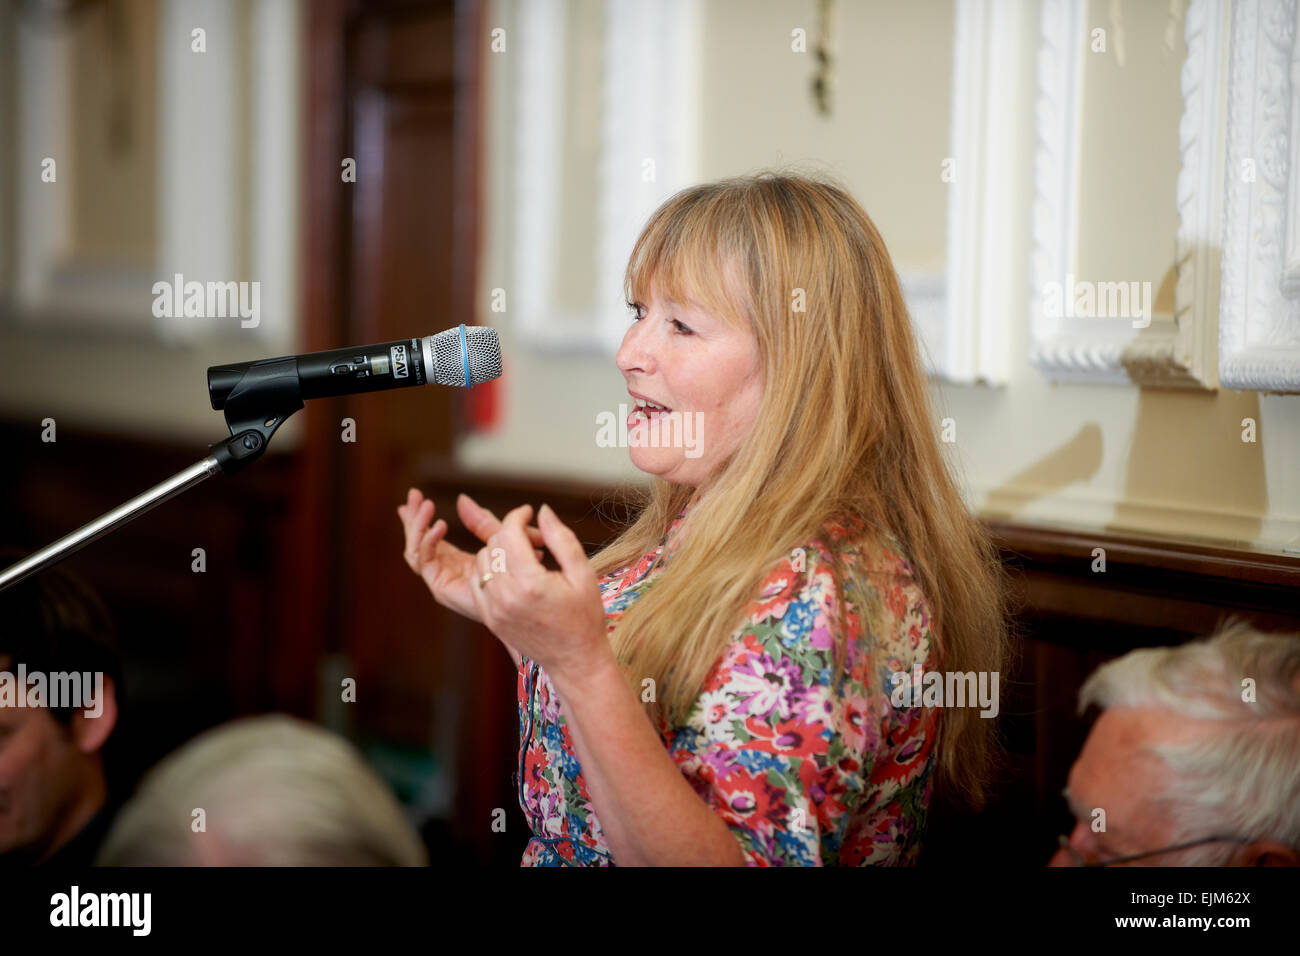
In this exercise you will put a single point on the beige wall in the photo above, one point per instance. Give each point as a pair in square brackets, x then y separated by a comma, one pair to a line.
[1100, 457]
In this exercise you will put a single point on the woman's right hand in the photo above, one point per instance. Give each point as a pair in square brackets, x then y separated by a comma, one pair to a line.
[448, 571]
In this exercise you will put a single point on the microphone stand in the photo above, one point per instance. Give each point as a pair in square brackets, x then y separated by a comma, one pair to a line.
[267, 394]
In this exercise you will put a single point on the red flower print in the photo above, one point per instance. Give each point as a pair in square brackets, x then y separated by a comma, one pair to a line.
[778, 590]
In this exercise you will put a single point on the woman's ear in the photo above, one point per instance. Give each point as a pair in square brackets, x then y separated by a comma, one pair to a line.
[92, 726]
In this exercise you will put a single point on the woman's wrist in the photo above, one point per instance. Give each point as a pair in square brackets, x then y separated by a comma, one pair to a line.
[577, 681]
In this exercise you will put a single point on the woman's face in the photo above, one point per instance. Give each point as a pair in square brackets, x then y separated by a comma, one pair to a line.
[703, 370]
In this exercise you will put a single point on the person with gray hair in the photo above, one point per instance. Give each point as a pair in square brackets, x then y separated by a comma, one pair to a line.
[1195, 757]
[263, 791]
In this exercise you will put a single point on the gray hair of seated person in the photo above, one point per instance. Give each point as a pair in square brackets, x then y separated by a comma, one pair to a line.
[1243, 776]
[274, 791]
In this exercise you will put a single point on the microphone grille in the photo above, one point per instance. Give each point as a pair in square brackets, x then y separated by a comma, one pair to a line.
[483, 348]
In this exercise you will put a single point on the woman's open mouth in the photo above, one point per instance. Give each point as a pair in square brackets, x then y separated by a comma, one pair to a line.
[644, 411]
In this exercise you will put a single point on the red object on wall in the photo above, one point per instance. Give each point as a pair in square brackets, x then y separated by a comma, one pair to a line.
[482, 406]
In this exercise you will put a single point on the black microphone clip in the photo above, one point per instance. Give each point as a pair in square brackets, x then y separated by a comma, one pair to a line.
[256, 402]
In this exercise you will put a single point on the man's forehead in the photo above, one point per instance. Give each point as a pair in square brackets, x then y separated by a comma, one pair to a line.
[1117, 759]
[1122, 734]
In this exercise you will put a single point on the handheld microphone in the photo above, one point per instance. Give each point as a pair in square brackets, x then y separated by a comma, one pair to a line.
[461, 357]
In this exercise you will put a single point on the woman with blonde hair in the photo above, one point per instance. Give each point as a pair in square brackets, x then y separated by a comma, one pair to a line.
[717, 685]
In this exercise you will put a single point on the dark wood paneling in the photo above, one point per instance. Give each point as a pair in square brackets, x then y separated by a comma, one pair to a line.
[198, 647]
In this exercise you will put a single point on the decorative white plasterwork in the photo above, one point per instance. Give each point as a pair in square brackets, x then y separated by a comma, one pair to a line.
[1108, 349]
[963, 315]
[648, 150]
[1186, 357]
[1259, 318]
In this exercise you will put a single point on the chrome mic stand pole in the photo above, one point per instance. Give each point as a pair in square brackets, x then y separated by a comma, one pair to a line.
[111, 521]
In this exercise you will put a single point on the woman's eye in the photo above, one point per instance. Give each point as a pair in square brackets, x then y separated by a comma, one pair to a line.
[638, 313]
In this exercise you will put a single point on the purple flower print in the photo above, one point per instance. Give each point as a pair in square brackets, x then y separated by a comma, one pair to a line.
[763, 686]
[820, 638]
[816, 706]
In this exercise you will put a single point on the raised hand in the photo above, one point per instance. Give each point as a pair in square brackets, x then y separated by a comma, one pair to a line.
[446, 570]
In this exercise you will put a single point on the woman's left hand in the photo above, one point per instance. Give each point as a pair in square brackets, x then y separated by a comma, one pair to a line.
[554, 617]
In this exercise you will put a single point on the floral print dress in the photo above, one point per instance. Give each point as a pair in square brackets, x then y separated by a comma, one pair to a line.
[802, 767]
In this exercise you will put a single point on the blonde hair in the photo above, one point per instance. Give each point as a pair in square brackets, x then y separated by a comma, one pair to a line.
[275, 791]
[844, 432]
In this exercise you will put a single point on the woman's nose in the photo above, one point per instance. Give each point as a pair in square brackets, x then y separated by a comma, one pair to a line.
[634, 354]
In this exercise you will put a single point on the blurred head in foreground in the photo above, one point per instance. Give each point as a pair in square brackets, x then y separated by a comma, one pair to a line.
[1197, 744]
[263, 791]
[59, 674]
